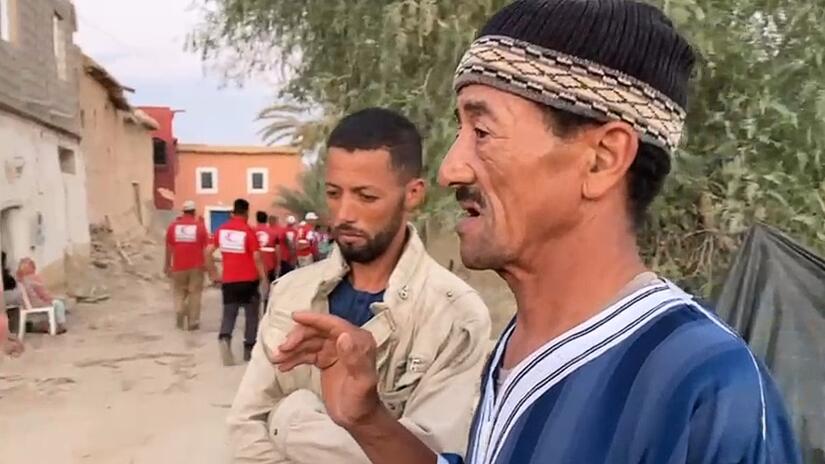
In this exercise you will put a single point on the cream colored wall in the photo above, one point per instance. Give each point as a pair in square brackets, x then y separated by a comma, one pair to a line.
[46, 208]
[118, 154]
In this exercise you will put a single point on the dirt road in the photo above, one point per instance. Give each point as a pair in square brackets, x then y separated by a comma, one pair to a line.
[122, 386]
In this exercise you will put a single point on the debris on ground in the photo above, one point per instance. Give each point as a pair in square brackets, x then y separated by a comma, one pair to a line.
[114, 260]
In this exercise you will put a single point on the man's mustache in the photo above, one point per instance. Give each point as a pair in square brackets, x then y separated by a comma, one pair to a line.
[469, 194]
[348, 230]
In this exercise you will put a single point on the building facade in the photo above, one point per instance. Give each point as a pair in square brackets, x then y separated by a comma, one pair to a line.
[165, 155]
[118, 147]
[214, 176]
[43, 213]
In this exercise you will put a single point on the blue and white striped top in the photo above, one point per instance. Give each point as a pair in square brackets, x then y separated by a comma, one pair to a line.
[655, 378]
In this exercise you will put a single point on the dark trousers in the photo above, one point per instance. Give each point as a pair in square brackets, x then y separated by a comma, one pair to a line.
[230, 315]
[286, 268]
[236, 296]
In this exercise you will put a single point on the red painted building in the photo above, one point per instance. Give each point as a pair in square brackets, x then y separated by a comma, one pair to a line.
[165, 155]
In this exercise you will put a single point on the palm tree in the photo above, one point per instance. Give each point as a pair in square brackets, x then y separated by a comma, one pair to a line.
[295, 124]
[309, 196]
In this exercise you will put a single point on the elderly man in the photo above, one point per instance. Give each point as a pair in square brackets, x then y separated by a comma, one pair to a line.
[430, 329]
[569, 111]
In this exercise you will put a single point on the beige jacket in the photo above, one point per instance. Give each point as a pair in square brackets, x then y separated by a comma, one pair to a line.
[432, 332]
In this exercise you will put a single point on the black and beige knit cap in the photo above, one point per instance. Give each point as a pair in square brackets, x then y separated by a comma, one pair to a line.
[604, 59]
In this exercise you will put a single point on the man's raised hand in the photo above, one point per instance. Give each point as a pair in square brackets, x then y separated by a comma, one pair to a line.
[346, 356]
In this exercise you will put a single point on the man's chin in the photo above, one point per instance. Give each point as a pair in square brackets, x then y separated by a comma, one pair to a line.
[476, 261]
[357, 255]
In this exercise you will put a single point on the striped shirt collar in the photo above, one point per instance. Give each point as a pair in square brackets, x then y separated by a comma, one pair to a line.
[557, 359]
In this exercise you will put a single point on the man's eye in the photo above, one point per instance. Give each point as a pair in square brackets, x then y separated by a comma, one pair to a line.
[481, 134]
[368, 198]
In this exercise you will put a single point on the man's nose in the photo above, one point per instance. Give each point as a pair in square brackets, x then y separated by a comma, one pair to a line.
[455, 168]
[346, 210]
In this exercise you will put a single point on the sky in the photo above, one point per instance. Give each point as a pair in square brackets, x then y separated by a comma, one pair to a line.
[141, 43]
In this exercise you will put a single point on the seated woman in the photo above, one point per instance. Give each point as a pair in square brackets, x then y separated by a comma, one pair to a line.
[31, 283]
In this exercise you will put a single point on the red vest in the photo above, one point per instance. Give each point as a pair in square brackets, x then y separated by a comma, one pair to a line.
[187, 238]
[305, 242]
[238, 244]
[266, 239]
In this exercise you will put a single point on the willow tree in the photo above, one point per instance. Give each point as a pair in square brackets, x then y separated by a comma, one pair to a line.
[756, 128]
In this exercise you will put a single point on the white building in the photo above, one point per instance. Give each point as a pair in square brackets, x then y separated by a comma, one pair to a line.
[42, 176]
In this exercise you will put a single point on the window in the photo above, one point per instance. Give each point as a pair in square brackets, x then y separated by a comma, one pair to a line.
[159, 151]
[5, 20]
[67, 161]
[257, 180]
[59, 38]
[206, 180]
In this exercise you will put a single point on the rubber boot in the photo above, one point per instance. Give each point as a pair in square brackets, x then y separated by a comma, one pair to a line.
[226, 352]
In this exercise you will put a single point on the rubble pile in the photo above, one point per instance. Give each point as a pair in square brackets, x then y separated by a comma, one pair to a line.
[115, 259]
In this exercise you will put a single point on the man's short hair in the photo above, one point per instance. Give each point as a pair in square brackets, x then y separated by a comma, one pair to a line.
[261, 217]
[380, 128]
[240, 206]
[646, 175]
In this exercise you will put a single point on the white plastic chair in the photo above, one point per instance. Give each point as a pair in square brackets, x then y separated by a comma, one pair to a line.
[27, 309]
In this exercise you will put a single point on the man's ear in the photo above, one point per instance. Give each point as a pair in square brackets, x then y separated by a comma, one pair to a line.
[615, 145]
[416, 193]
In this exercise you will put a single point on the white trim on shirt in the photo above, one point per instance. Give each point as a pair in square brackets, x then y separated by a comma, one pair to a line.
[557, 359]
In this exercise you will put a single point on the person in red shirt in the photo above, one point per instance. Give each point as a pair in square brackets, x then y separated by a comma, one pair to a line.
[284, 252]
[243, 281]
[306, 244]
[266, 240]
[186, 239]
[291, 235]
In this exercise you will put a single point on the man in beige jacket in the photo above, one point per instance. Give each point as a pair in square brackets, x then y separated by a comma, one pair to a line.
[430, 327]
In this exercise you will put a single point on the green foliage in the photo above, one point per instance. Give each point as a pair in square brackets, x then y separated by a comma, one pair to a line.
[294, 124]
[756, 133]
[756, 120]
[308, 197]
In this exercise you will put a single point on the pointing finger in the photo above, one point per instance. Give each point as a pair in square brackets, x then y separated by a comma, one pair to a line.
[327, 323]
[311, 345]
[296, 336]
[299, 360]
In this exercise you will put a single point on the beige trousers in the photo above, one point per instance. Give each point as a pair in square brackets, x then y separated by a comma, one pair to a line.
[188, 287]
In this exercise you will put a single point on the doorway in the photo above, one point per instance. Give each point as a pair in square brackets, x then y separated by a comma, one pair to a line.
[10, 234]
[216, 216]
